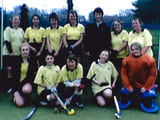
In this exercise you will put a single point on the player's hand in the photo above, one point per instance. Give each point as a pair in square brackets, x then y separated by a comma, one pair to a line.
[143, 90]
[48, 88]
[131, 90]
[54, 89]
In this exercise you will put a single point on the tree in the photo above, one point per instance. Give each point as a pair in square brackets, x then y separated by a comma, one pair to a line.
[70, 7]
[24, 17]
[147, 10]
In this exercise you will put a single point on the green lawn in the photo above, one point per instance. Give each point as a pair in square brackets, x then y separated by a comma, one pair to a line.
[8, 111]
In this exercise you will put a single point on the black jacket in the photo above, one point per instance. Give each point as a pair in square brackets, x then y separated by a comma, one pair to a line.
[97, 38]
[32, 67]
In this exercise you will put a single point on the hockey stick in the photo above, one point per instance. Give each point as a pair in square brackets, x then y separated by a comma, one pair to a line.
[81, 87]
[74, 94]
[118, 113]
[69, 112]
[30, 113]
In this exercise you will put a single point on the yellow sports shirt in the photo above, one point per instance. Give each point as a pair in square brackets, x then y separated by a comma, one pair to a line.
[24, 69]
[37, 35]
[73, 33]
[67, 75]
[144, 38]
[118, 40]
[48, 76]
[15, 37]
[54, 36]
[103, 74]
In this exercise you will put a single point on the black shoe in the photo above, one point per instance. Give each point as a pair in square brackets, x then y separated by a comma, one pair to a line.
[79, 105]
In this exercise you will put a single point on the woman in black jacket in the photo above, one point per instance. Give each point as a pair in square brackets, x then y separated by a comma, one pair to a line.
[24, 73]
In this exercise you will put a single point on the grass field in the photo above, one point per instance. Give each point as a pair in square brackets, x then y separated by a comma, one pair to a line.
[8, 111]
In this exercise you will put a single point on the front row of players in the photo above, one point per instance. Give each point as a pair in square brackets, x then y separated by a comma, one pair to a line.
[138, 77]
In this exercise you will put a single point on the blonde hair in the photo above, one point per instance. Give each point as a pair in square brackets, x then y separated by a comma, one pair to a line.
[24, 44]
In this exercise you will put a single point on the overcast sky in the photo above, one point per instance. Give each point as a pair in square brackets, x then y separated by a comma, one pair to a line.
[83, 7]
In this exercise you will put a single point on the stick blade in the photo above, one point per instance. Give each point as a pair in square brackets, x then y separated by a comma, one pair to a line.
[30, 114]
[118, 115]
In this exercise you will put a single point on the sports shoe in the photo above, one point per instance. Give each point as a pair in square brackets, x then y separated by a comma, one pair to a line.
[43, 103]
[79, 105]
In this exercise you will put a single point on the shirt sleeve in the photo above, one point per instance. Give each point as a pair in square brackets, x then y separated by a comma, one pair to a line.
[148, 38]
[125, 36]
[152, 77]
[63, 74]
[26, 34]
[130, 38]
[91, 71]
[82, 29]
[39, 76]
[43, 33]
[7, 34]
[80, 71]
[65, 29]
[114, 71]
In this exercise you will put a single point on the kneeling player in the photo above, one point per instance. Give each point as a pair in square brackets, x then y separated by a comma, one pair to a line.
[138, 77]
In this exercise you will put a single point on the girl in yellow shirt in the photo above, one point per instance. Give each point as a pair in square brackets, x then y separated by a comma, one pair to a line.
[142, 36]
[54, 38]
[47, 79]
[35, 36]
[71, 75]
[73, 35]
[104, 70]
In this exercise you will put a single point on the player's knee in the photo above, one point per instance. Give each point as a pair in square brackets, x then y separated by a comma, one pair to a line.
[20, 103]
[107, 93]
[27, 88]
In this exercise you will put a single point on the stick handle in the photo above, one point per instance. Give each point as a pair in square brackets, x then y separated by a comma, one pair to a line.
[116, 103]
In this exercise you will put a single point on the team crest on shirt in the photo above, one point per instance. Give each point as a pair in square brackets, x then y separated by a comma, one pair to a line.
[57, 71]
[108, 68]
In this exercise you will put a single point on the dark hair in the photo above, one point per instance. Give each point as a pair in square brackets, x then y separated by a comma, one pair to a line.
[139, 20]
[98, 10]
[73, 12]
[36, 16]
[120, 22]
[72, 57]
[49, 53]
[54, 16]
[104, 50]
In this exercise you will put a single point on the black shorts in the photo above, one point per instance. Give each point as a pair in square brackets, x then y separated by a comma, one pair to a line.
[78, 49]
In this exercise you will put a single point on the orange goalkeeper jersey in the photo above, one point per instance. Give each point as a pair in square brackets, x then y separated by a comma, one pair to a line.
[138, 72]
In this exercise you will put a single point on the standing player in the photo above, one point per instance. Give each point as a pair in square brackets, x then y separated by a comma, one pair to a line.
[54, 38]
[73, 35]
[98, 36]
[141, 35]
